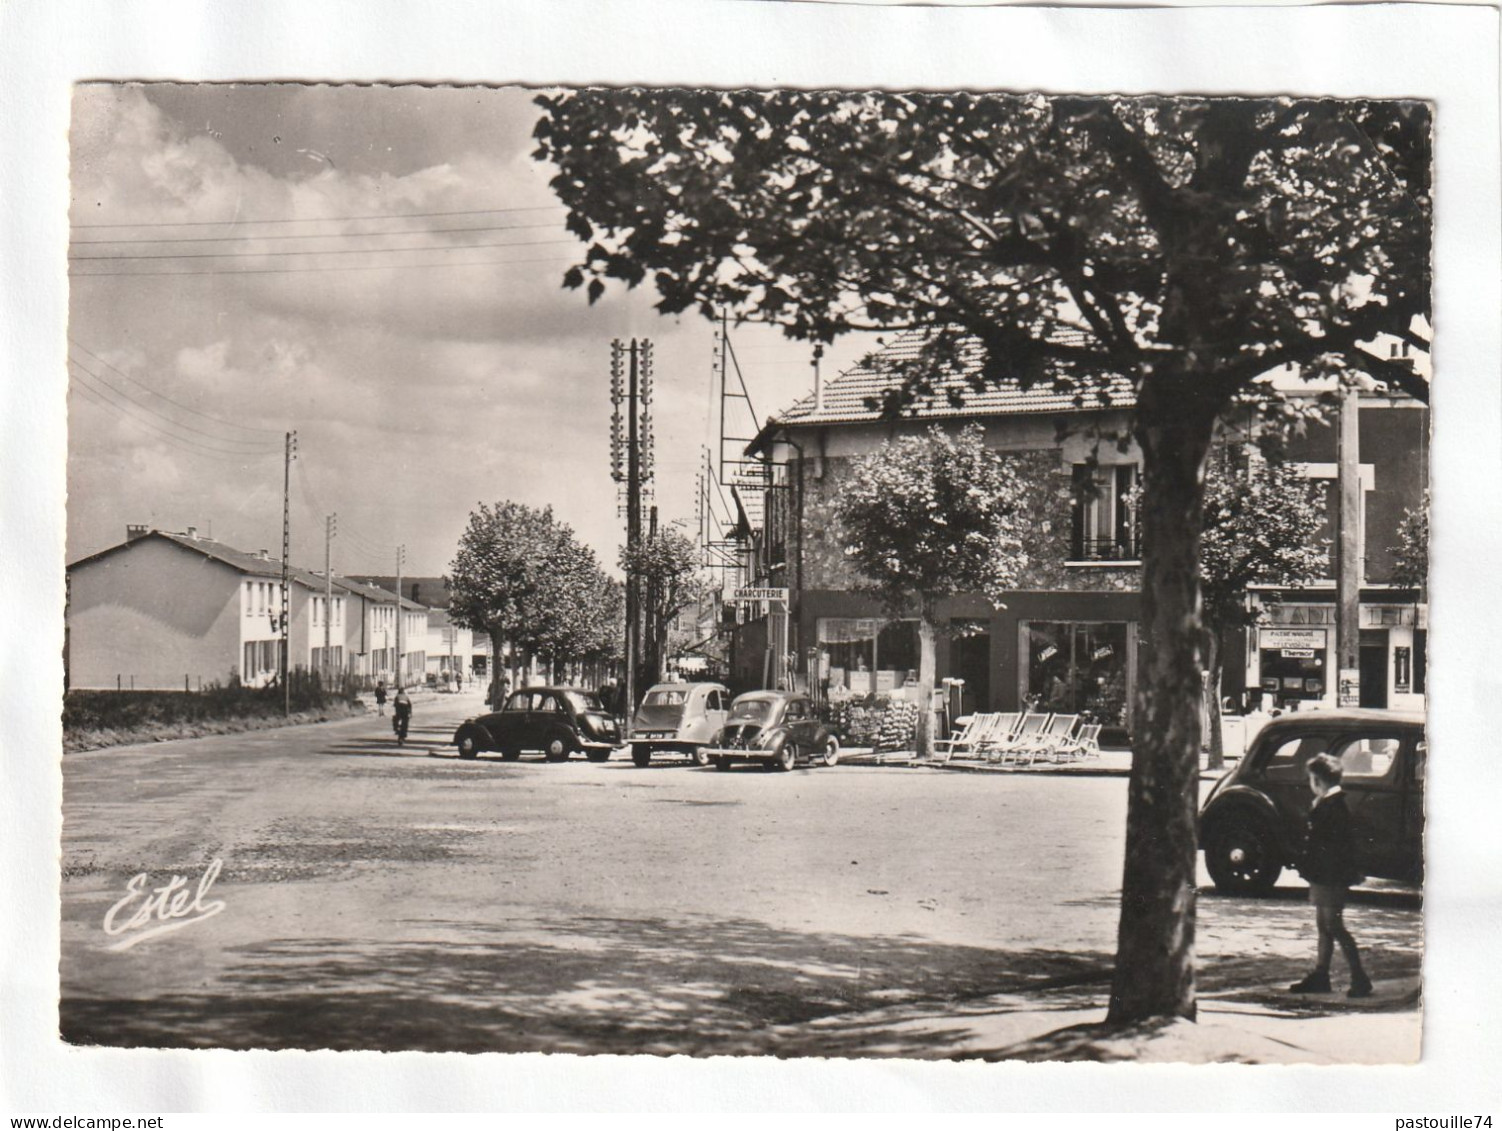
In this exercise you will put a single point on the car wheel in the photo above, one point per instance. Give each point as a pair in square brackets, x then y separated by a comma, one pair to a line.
[722, 763]
[700, 756]
[1241, 857]
[831, 751]
[598, 755]
[787, 757]
[468, 745]
[557, 749]
[510, 754]
[641, 755]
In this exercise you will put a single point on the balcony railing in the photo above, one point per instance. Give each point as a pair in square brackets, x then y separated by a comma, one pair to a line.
[1123, 549]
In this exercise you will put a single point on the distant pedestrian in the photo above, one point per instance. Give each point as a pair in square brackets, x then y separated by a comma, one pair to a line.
[401, 715]
[380, 697]
[1329, 864]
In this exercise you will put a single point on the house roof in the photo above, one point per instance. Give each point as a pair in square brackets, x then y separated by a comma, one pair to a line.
[252, 565]
[844, 398]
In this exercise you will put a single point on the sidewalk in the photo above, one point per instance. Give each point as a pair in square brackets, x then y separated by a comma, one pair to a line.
[1114, 762]
[1067, 1025]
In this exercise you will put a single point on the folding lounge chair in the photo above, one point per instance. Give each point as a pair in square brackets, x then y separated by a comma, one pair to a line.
[1005, 748]
[1054, 737]
[1085, 744]
[962, 735]
[982, 728]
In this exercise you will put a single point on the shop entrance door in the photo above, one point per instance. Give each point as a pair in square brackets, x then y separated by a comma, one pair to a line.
[970, 660]
[1076, 666]
[1374, 667]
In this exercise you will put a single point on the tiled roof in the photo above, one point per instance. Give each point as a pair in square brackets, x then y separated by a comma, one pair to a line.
[844, 399]
[253, 565]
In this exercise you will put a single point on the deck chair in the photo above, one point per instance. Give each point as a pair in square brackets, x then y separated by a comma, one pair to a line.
[981, 728]
[1003, 749]
[963, 734]
[1085, 744]
[1051, 739]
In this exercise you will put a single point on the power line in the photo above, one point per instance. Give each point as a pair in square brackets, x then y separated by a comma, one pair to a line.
[242, 457]
[163, 396]
[94, 274]
[320, 235]
[315, 219]
[309, 251]
[248, 443]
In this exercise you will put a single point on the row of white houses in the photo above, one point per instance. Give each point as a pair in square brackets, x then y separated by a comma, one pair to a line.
[174, 611]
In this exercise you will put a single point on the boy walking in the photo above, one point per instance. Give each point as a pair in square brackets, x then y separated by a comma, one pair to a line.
[1329, 864]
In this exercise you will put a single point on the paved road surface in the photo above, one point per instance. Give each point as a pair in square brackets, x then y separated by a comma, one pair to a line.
[376, 897]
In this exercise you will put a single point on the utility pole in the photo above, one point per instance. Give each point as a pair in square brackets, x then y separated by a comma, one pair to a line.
[654, 598]
[290, 455]
[1348, 550]
[329, 525]
[631, 465]
[401, 559]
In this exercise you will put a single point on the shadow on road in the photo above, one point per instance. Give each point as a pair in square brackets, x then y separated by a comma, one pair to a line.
[661, 986]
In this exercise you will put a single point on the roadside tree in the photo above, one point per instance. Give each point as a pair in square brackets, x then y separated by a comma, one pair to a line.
[927, 517]
[667, 564]
[1262, 527]
[1186, 244]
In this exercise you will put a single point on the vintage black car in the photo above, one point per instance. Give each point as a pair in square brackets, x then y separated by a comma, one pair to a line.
[775, 728]
[1252, 823]
[555, 720]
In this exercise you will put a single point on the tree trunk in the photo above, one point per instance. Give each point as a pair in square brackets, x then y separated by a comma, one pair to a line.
[1154, 975]
[496, 671]
[1216, 737]
[924, 739]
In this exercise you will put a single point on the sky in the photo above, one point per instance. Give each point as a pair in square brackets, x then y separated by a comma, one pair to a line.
[243, 264]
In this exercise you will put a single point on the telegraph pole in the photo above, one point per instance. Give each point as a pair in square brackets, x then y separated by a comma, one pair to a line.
[329, 525]
[291, 454]
[401, 559]
[1348, 550]
[653, 630]
[631, 465]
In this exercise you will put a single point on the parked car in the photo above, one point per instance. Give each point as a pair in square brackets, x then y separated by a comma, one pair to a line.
[555, 720]
[1252, 824]
[775, 728]
[678, 718]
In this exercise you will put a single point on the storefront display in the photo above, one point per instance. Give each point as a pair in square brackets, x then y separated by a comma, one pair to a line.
[1075, 667]
[866, 655]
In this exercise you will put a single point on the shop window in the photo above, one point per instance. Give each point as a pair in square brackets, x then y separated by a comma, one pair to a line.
[1104, 514]
[1077, 667]
[865, 655]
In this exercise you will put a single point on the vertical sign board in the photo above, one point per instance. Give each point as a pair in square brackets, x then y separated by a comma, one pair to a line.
[1350, 687]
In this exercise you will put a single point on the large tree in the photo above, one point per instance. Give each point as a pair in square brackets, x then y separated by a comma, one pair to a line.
[1187, 245]
[1262, 527]
[667, 566]
[926, 517]
[521, 577]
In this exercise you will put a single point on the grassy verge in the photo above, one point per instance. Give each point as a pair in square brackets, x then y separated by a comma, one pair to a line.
[95, 719]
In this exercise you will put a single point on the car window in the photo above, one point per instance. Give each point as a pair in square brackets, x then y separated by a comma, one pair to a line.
[1366, 757]
[584, 700]
[665, 698]
[755, 710]
[521, 701]
[712, 700]
[795, 709]
[1292, 755]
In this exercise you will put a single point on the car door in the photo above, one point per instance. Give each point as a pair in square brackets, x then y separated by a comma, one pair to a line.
[796, 716]
[511, 722]
[547, 715]
[1374, 789]
[716, 705]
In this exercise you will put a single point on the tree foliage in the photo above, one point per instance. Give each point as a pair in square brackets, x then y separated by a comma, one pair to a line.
[929, 516]
[523, 578]
[926, 517]
[667, 565]
[1411, 554]
[1185, 245]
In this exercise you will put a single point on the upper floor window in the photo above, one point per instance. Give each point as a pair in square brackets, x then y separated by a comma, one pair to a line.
[1105, 513]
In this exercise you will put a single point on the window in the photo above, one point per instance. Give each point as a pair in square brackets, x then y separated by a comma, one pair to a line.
[866, 655]
[521, 701]
[1078, 666]
[1105, 517]
[795, 710]
[1366, 758]
[1288, 760]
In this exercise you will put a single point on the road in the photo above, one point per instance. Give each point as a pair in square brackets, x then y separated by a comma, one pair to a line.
[382, 897]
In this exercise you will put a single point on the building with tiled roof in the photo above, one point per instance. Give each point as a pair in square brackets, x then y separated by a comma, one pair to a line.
[168, 610]
[1067, 638]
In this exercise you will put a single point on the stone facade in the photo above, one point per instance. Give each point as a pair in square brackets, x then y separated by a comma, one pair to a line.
[1046, 531]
